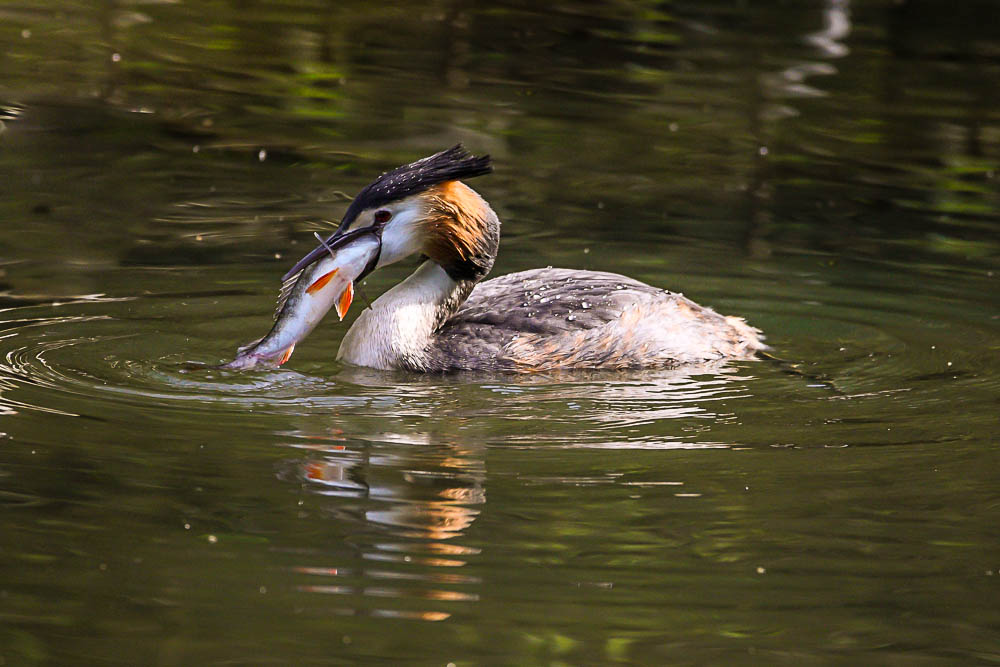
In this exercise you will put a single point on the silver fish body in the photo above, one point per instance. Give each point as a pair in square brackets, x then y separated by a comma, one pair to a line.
[306, 298]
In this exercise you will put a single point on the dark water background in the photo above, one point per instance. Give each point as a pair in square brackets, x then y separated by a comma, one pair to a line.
[827, 170]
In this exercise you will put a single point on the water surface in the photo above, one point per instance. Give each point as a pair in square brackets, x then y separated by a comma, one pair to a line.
[827, 170]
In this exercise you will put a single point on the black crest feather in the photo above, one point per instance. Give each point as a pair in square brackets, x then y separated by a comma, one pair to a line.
[453, 164]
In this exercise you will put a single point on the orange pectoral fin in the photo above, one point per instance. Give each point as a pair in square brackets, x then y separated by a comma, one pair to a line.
[287, 355]
[345, 300]
[321, 282]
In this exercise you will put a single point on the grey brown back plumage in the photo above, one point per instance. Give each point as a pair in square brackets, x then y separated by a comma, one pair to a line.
[545, 319]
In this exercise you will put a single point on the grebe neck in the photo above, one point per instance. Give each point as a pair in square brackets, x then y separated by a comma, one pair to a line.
[396, 331]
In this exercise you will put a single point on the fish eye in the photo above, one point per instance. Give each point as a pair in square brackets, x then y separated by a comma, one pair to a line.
[382, 216]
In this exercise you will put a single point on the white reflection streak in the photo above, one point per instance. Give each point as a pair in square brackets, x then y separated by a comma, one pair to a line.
[48, 301]
[837, 26]
[651, 444]
[791, 82]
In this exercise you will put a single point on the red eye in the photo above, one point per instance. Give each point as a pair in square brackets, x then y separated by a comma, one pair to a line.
[383, 216]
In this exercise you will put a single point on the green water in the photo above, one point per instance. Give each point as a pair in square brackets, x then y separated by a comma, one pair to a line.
[827, 170]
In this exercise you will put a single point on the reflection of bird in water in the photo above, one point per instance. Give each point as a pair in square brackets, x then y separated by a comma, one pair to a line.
[416, 484]
[404, 511]
[442, 318]
[423, 504]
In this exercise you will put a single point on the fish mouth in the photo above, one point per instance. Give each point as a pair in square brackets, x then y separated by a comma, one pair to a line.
[339, 240]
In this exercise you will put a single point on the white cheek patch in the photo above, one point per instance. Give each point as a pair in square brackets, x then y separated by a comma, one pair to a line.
[400, 238]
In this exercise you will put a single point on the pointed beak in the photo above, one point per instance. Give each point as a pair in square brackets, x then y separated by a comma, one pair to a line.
[334, 242]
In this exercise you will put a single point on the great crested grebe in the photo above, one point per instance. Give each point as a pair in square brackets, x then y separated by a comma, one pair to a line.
[442, 318]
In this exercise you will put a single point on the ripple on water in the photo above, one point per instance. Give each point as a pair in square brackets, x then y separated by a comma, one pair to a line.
[74, 355]
[80, 362]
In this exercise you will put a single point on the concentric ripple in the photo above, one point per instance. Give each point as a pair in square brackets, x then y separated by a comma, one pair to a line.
[846, 352]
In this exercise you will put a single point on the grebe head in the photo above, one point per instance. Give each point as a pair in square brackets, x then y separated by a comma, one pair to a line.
[423, 208]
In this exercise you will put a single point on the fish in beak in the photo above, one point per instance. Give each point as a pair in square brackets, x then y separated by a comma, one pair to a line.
[322, 280]
[419, 207]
